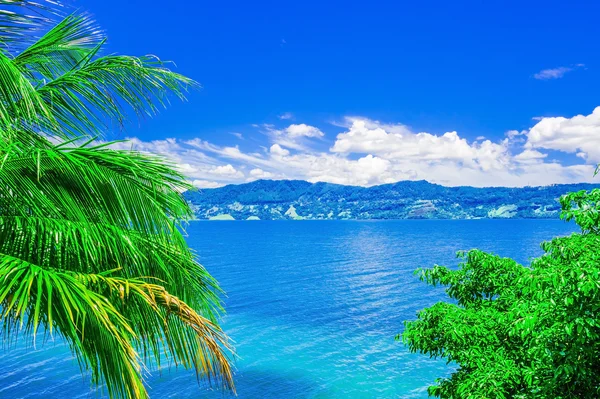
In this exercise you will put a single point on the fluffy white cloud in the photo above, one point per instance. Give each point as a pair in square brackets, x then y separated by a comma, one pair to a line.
[206, 184]
[295, 136]
[258, 173]
[579, 134]
[226, 170]
[276, 149]
[398, 143]
[365, 171]
[529, 156]
[302, 130]
[368, 152]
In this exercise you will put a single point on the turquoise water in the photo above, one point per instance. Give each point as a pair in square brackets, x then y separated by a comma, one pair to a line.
[313, 307]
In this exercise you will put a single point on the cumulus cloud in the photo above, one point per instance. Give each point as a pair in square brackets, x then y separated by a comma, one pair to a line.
[367, 152]
[226, 170]
[398, 143]
[294, 136]
[530, 156]
[302, 130]
[206, 184]
[579, 134]
[276, 149]
[258, 173]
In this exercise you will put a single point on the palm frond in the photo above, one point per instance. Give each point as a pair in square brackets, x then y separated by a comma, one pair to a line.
[97, 211]
[21, 19]
[21, 106]
[98, 335]
[91, 240]
[61, 49]
[98, 90]
[201, 345]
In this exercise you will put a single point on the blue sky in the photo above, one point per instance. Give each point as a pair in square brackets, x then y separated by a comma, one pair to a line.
[371, 92]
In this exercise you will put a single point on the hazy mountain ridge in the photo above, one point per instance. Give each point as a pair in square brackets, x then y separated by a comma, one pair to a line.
[297, 199]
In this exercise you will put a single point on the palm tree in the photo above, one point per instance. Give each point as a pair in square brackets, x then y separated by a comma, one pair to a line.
[91, 244]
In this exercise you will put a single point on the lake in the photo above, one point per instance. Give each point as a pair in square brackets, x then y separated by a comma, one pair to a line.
[313, 307]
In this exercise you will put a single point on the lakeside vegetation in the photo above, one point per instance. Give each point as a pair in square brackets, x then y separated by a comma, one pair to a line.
[515, 331]
[91, 244]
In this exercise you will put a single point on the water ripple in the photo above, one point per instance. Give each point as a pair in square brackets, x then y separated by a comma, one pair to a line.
[313, 308]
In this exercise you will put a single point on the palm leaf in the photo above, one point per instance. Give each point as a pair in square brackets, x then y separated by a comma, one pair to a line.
[98, 90]
[96, 332]
[21, 106]
[91, 242]
[200, 344]
[21, 20]
[61, 49]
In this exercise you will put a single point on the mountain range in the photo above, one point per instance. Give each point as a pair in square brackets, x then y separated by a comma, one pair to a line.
[297, 199]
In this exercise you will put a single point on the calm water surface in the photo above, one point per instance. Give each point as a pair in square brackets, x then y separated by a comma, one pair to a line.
[313, 307]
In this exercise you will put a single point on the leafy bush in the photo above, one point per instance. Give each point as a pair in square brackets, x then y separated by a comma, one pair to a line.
[516, 331]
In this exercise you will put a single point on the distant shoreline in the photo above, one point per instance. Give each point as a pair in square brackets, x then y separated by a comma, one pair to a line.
[407, 200]
[374, 220]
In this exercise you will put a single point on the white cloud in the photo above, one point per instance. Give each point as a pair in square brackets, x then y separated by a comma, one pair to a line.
[302, 130]
[579, 134]
[365, 171]
[368, 152]
[199, 167]
[530, 156]
[295, 136]
[277, 150]
[258, 173]
[238, 135]
[555, 73]
[226, 170]
[255, 159]
[286, 116]
[189, 161]
[511, 134]
[206, 184]
[397, 142]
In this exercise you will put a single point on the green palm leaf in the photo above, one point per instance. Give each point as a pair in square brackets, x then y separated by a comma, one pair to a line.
[96, 91]
[20, 19]
[97, 333]
[91, 243]
[59, 50]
